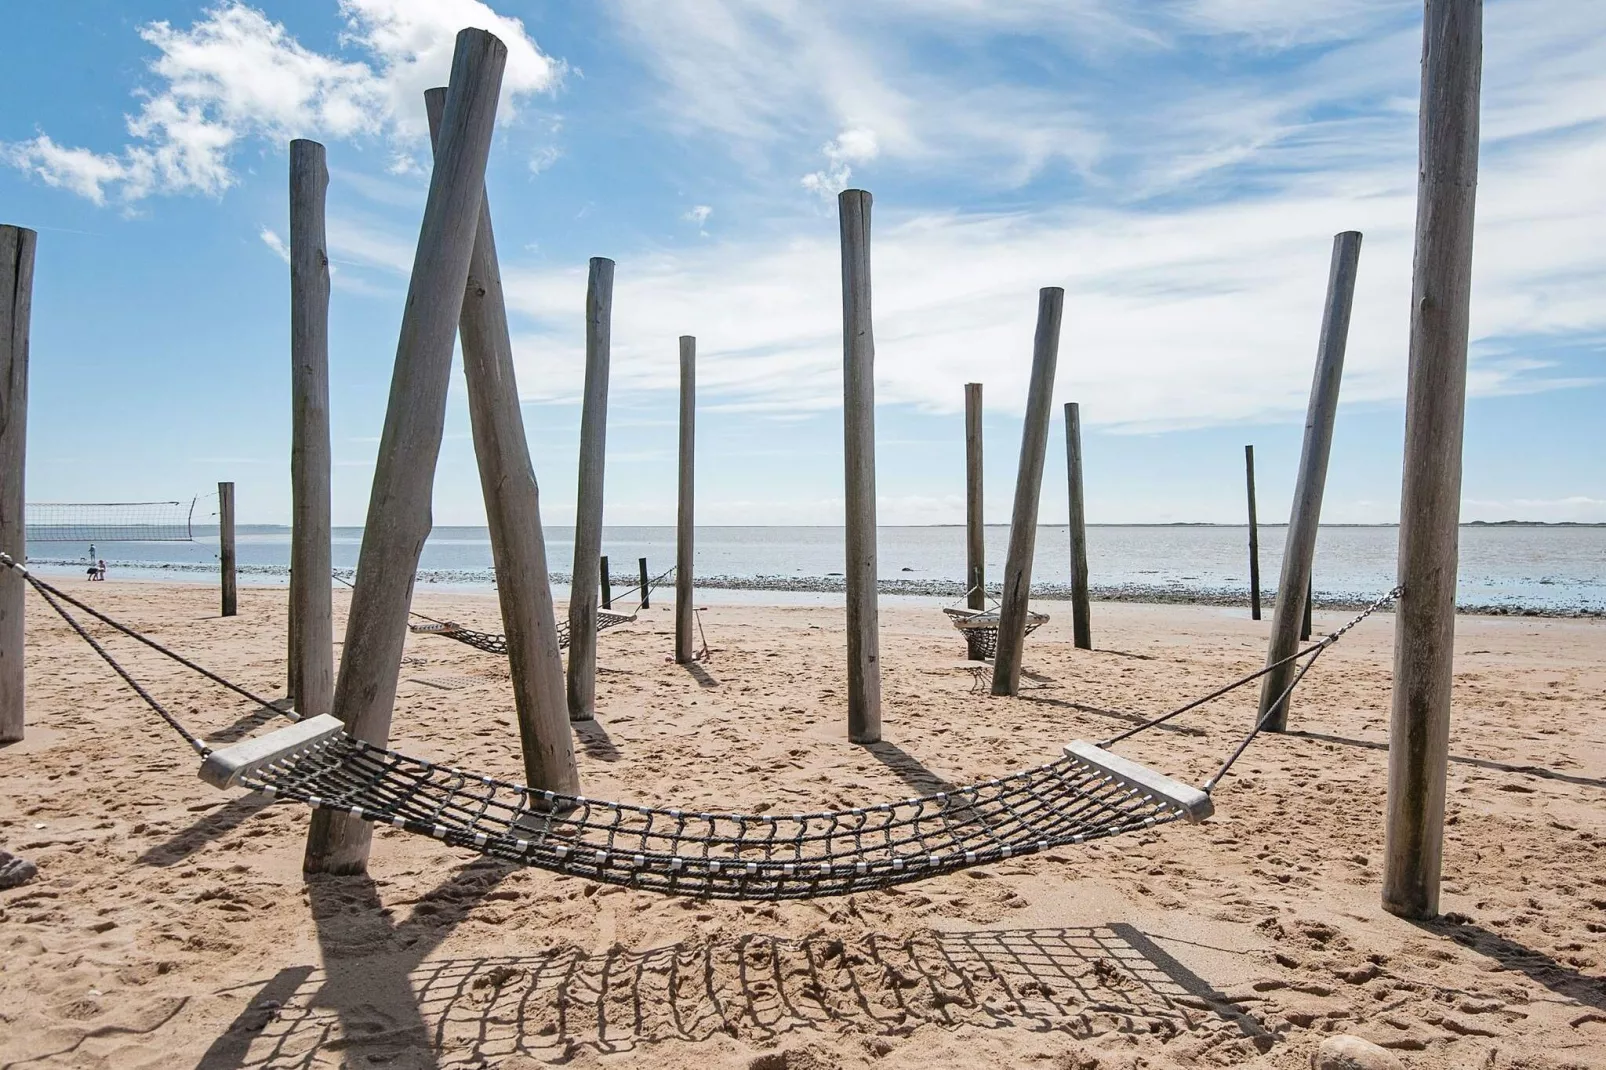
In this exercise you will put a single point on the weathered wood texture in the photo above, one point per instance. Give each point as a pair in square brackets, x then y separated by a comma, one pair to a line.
[1299, 551]
[512, 511]
[227, 561]
[583, 586]
[641, 583]
[858, 455]
[686, 504]
[398, 518]
[1081, 612]
[17, 247]
[606, 579]
[1430, 500]
[975, 525]
[1028, 490]
[311, 674]
[1254, 536]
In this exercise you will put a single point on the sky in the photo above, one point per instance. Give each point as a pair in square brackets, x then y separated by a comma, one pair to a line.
[1179, 167]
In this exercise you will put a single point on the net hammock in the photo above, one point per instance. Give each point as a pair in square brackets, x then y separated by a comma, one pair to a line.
[1087, 794]
[91, 522]
[980, 629]
[493, 643]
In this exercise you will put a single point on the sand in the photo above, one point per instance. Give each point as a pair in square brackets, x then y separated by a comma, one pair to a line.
[170, 924]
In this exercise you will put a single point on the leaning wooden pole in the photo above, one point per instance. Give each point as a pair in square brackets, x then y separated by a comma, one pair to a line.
[685, 526]
[585, 577]
[227, 561]
[16, 308]
[858, 454]
[312, 637]
[1299, 551]
[1254, 536]
[512, 511]
[1430, 501]
[975, 526]
[1028, 489]
[1081, 613]
[398, 519]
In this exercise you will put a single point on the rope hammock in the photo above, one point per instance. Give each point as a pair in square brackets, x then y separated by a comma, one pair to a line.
[980, 629]
[1087, 794]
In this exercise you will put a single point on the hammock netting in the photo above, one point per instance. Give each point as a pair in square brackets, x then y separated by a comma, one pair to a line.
[492, 643]
[980, 629]
[715, 855]
[110, 521]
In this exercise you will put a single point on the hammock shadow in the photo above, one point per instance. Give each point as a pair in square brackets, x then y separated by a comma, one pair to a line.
[203, 831]
[1536, 965]
[567, 1003]
[1480, 763]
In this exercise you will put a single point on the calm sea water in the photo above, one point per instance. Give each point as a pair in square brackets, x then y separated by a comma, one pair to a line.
[1514, 566]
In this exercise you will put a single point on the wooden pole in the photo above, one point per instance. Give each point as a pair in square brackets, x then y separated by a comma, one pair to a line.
[1304, 621]
[975, 526]
[512, 511]
[607, 583]
[225, 548]
[1081, 615]
[312, 636]
[1300, 549]
[686, 504]
[858, 454]
[1028, 489]
[641, 583]
[398, 519]
[588, 517]
[1430, 501]
[17, 247]
[1254, 536]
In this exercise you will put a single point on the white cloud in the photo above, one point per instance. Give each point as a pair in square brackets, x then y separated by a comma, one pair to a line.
[272, 240]
[237, 74]
[841, 152]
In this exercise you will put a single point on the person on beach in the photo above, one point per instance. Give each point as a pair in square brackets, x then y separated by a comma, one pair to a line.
[102, 575]
[94, 572]
[92, 551]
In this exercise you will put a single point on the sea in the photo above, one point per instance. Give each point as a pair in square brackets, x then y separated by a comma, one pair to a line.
[1504, 568]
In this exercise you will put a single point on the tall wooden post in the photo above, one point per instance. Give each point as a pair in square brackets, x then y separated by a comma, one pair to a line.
[312, 637]
[858, 455]
[686, 503]
[1300, 548]
[641, 585]
[1430, 501]
[225, 548]
[1304, 621]
[588, 516]
[1254, 536]
[606, 579]
[16, 309]
[975, 526]
[404, 472]
[1081, 615]
[1028, 489]
[512, 511]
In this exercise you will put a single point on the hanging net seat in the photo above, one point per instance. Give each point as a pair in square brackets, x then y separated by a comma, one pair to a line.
[980, 629]
[493, 643]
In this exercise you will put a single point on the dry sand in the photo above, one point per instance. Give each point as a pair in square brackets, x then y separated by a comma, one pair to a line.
[170, 925]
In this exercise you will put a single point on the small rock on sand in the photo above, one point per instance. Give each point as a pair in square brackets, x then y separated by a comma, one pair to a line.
[14, 871]
[1345, 1052]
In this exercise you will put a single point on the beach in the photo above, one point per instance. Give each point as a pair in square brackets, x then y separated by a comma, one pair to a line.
[170, 924]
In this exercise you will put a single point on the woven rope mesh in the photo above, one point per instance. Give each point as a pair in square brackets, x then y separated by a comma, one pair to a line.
[981, 632]
[109, 521]
[721, 856]
[497, 644]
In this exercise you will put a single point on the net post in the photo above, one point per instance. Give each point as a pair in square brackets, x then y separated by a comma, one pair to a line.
[225, 548]
[17, 246]
[686, 504]
[858, 428]
[641, 583]
[1430, 498]
[1299, 551]
[1028, 489]
[310, 679]
[1254, 536]
[585, 576]
[1081, 614]
[398, 519]
[512, 511]
[975, 527]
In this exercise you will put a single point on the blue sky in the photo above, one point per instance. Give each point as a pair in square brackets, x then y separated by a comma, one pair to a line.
[1180, 167]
